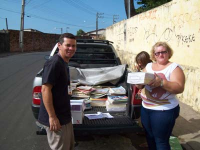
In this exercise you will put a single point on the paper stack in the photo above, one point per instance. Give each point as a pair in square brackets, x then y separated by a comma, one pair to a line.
[115, 107]
[140, 78]
[99, 115]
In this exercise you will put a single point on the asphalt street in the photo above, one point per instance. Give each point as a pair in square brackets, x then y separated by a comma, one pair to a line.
[17, 124]
[16, 120]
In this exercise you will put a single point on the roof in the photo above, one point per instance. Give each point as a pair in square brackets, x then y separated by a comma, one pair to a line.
[32, 30]
[94, 31]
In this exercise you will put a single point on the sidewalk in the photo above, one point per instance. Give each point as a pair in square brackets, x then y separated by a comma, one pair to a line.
[187, 128]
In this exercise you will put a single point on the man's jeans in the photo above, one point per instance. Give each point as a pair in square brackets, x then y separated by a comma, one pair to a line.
[158, 126]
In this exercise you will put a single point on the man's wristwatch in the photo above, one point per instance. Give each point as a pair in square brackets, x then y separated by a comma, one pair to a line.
[161, 83]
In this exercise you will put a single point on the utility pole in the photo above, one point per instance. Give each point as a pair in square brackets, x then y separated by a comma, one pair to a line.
[61, 29]
[21, 34]
[129, 8]
[66, 29]
[6, 24]
[114, 18]
[99, 15]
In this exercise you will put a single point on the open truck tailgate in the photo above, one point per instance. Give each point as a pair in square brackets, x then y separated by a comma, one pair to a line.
[121, 123]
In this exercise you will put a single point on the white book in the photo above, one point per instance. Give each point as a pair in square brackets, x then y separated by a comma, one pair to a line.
[140, 78]
[117, 99]
[115, 107]
[117, 91]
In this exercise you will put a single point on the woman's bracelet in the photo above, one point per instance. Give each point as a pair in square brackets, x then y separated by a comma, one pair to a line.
[161, 83]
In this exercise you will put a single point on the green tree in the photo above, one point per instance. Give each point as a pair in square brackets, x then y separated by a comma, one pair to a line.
[132, 8]
[149, 4]
[80, 32]
[144, 5]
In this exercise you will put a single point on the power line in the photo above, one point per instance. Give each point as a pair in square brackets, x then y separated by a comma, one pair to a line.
[15, 1]
[26, 3]
[77, 5]
[35, 16]
[88, 7]
[58, 21]
[81, 3]
[39, 5]
[56, 13]
[10, 10]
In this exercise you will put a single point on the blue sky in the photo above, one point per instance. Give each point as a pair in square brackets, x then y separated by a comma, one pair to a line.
[71, 15]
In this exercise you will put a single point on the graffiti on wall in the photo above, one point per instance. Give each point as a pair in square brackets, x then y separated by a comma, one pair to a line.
[173, 28]
[132, 32]
[119, 34]
[152, 14]
[185, 39]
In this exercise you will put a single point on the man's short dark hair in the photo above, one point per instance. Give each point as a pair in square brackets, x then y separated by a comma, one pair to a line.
[66, 35]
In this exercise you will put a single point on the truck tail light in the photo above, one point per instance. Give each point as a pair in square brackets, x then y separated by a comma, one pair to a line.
[136, 99]
[37, 95]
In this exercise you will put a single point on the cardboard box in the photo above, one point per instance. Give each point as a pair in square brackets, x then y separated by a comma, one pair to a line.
[140, 78]
[77, 113]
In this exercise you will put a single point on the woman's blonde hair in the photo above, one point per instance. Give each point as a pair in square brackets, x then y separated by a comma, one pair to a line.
[164, 44]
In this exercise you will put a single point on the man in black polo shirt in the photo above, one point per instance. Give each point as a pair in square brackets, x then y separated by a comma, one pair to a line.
[55, 110]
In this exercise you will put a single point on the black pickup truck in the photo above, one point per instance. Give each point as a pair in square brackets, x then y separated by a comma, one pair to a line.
[96, 54]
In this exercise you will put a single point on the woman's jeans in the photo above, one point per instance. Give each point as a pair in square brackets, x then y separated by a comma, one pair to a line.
[158, 126]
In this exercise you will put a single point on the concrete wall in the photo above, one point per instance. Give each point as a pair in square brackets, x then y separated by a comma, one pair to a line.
[176, 22]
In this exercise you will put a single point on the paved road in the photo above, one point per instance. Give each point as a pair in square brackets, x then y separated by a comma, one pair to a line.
[16, 120]
[17, 124]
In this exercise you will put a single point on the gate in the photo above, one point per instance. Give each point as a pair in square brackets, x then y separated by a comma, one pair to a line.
[4, 42]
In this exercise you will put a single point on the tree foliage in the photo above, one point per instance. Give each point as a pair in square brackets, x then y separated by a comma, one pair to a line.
[132, 8]
[144, 5]
[80, 32]
[149, 4]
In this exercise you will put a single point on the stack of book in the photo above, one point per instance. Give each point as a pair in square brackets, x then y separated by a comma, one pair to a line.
[116, 103]
[115, 107]
[98, 97]
[117, 99]
[99, 93]
[82, 91]
[114, 99]
[77, 94]
[85, 89]
[117, 91]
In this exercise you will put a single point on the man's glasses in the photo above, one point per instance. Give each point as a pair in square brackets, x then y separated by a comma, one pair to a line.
[158, 53]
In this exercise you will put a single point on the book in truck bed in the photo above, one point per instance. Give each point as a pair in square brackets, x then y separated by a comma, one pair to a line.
[79, 94]
[99, 93]
[117, 91]
[117, 99]
[85, 89]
